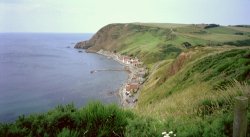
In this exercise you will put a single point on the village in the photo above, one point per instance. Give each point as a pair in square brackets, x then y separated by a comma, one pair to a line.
[137, 72]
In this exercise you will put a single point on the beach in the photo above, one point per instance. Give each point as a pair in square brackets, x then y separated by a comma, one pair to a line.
[129, 91]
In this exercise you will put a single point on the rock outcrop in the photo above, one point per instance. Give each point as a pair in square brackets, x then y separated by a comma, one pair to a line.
[103, 39]
[82, 45]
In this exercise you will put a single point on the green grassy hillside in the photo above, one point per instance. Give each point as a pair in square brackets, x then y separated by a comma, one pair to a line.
[190, 83]
[153, 42]
[191, 78]
[197, 89]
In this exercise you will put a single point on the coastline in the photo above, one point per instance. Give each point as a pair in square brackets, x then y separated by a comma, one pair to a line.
[127, 100]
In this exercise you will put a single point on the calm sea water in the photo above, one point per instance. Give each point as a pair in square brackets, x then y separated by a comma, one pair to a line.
[41, 71]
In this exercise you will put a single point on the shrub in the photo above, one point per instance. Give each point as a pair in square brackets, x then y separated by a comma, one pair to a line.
[219, 126]
[143, 127]
[67, 133]
[186, 44]
[224, 67]
[63, 121]
[168, 51]
[211, 26]
[239, 43]
[239, 33]
[244, 26]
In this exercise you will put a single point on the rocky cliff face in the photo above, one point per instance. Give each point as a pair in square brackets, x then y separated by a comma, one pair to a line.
[105, 38]
[82, 45]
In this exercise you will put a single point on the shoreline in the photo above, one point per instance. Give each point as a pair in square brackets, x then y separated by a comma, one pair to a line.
[128, 99]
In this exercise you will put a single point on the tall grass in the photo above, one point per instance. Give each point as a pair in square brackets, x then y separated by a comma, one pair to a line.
[195, 86]
[93, 120]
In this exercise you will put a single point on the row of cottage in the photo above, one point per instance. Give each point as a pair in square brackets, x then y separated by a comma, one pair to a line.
[134, 64]
[130, 61]
[138, 76]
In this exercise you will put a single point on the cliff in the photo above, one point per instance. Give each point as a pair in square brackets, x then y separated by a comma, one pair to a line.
[153, 42]
[82, 45]
[105, 38]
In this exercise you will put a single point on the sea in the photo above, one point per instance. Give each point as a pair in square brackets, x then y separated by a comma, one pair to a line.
[39, 71]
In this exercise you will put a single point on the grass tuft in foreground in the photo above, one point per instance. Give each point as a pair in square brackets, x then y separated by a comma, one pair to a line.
[67, 121]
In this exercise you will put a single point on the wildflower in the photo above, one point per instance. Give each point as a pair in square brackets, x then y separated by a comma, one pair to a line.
[164, 133]
[171, 132]
[167, 135]
[174, 135]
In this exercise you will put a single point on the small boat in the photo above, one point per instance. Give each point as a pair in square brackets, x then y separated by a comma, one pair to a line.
[93, 71]
[79, 51]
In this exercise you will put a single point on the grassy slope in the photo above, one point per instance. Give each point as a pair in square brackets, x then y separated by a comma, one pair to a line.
[154, 42]
[199, 76]
[200, 94]
[182, 95]
[148, 40]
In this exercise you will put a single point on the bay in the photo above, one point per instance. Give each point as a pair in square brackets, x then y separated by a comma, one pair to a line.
[39, 71]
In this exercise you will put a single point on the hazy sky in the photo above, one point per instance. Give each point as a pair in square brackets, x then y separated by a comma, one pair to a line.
[91, 15]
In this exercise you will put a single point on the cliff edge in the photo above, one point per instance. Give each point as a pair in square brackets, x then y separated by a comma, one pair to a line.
[105, 38]
[153, 42]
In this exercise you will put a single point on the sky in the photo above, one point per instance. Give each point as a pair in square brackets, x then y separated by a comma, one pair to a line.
[88, 16]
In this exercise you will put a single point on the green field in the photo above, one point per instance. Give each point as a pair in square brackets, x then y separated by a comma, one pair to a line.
[146, 39]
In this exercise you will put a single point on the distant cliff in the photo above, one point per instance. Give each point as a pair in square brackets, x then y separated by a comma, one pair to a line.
[153, 42]
[131, 39]
[105, 38]
[82, 45]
